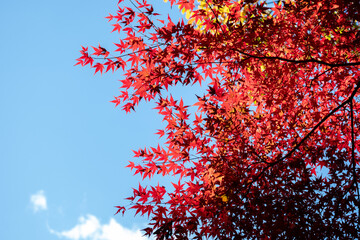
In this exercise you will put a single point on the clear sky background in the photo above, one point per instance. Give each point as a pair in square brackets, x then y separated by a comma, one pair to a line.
[63, 146]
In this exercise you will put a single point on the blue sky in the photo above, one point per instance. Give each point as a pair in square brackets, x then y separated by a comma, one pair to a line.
[63, 145]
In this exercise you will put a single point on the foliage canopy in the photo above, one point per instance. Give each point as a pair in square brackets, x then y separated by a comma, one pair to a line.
[271, 150]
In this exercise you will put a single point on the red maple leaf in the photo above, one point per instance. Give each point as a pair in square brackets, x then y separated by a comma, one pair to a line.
[98, 67]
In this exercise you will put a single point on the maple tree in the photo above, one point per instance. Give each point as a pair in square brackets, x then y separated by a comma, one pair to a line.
[271, 149]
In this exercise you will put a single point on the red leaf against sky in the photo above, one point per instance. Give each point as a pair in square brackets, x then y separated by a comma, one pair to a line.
[110, 17]
[117, 27]
[98, 67]
[120, 209]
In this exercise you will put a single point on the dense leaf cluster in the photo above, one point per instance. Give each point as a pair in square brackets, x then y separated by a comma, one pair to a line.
[271, 150]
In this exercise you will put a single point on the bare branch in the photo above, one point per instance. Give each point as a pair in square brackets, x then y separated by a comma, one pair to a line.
[311, 60]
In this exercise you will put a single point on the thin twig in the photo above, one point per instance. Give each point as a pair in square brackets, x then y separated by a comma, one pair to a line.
[353, 157]
[299, 61]
[152, 23]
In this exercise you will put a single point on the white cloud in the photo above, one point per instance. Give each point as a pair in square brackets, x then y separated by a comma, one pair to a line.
[38, 201]
[89, 228]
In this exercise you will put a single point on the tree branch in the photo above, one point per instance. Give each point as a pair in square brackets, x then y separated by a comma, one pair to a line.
[300, 61]
[321, 122]
[306, 136]
[353, 157]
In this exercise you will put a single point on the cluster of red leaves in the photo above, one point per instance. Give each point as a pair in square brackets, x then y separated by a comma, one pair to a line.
[282, 103]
